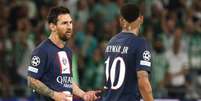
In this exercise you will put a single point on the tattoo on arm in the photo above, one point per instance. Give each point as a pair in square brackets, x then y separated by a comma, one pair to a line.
[39, 87]
[77, 91]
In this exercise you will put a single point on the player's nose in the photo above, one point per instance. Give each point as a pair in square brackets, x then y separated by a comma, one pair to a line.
[69, 26]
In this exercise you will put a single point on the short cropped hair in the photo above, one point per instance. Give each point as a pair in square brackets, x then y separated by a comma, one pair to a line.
[55, 12]
[130, 12]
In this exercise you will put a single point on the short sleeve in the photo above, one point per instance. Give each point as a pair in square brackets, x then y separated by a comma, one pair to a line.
[143, 56]
[37, 64]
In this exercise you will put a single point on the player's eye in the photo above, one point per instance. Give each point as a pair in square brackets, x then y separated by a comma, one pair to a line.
[64, 23]
[70, 22]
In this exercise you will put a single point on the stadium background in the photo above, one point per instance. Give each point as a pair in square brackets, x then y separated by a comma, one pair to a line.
[172, 27]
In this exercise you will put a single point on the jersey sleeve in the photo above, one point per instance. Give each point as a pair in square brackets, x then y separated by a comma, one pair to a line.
[143, 56]
[37, 64]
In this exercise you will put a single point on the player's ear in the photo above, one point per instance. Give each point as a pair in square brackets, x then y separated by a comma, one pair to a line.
[52, 27]
[141, 19]
[123, 22]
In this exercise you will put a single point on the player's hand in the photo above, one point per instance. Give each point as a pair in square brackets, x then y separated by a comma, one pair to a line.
[91, 95]
[60, 96]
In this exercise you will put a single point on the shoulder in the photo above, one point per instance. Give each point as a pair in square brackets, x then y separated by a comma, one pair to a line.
[141, 41]
[120, 36]
[42, 47]
[138, 41]
[68, 50]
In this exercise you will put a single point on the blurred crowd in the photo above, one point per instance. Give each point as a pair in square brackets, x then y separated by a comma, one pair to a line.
[172, 28]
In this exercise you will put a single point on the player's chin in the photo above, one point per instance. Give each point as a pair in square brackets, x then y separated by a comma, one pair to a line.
[68, 35]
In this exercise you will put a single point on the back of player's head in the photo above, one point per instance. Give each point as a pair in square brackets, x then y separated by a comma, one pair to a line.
[130, 12]
[55, 12]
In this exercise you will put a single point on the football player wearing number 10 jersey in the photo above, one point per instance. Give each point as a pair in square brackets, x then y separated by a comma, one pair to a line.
[128, 61]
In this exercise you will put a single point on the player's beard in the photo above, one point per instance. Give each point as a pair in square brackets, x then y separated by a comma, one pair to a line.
[65, 36]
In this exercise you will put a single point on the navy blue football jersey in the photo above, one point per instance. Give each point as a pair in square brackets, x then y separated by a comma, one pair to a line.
[52, 66]
[125, 54]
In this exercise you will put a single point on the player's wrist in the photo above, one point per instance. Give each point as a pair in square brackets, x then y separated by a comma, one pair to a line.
[53, 95]
[82, 94]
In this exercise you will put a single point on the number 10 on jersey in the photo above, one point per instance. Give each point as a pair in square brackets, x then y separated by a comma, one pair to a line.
[110, 72]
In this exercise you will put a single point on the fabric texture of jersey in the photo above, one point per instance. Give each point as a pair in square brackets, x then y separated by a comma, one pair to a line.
[125, 54]
[52, 66]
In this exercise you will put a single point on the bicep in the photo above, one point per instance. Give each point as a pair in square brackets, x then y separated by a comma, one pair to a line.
[142, 74]
[32, 82]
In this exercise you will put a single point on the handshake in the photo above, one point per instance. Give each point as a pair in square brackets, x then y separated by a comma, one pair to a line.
[86, 96]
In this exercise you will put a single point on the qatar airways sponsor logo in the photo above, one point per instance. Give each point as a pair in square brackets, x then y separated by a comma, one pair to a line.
[66, 81]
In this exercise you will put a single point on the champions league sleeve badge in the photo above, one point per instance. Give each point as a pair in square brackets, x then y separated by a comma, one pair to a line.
[35, 61]
[146, 55]
[146, 58]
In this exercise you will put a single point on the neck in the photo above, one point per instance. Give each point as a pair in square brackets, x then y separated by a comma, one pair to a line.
[134, 31]
[56, 40]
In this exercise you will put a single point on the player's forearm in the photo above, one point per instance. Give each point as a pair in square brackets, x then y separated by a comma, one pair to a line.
[39, 87]
[145, 86]
[146, 92]
[77, 91]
